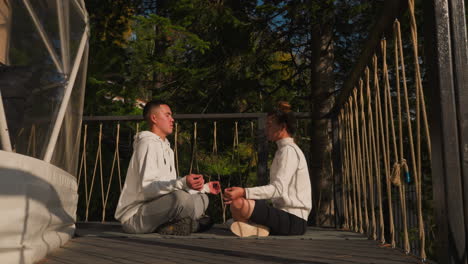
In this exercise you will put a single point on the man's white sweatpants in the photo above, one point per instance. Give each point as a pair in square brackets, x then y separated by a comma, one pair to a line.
[172, 206]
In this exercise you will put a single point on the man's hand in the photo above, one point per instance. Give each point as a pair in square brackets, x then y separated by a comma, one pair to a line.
[233, 193]
[215, 187]
[195, 181]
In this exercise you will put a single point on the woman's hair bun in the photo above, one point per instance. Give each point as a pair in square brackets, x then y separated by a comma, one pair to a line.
[284, 106]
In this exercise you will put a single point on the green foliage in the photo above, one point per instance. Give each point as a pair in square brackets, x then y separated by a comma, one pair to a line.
[232, 168]
[237, 162]
[215, 165]
[194, 54]
[158, 51]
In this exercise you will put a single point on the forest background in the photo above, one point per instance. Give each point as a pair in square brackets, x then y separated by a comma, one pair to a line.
[224, 56]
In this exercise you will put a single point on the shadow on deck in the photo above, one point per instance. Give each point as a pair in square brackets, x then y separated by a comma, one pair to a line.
[106, 243]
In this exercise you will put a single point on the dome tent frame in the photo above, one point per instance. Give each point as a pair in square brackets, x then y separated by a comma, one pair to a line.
[62, 65]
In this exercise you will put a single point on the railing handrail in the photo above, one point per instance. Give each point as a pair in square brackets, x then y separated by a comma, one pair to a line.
[212, 116]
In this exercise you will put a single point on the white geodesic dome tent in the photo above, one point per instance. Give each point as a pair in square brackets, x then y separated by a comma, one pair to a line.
[43, 58]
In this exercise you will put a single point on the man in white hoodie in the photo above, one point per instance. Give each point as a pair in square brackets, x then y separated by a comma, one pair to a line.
[153, 198]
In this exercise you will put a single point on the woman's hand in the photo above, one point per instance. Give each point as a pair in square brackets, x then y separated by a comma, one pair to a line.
[215, 187]
[233, 193]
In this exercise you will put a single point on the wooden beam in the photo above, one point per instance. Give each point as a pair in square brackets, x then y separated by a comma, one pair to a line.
[460, 64]
[301, 115]
[448, 124]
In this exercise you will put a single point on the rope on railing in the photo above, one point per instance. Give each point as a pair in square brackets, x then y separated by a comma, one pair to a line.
[347, 177]
[386, 140]
[114, 161]
[366, 145]
[101, 174]
[368, 139]
[235, 143]
[235, 152]
[416, 157]
[254, 160]
[420, 103]
[364, 220]
[353, 168]
[215, 140]
[343, 170]
[252, 130]
[398, 164]
[377, 152]
[194, 149]
[83, 167]
[98, 160]
[356, 192]
[215, 153]
[117, 157]
[366, 162]
[351, 188]
[417, 72]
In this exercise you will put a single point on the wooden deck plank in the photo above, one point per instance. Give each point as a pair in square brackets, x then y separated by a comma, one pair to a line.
[109, 245]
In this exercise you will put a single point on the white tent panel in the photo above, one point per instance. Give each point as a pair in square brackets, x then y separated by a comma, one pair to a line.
[38, 203]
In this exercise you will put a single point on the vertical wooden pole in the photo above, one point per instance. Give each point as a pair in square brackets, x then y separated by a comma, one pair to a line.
[446, 57]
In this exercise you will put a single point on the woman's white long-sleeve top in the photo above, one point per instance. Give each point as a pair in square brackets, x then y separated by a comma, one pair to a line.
[289, 187]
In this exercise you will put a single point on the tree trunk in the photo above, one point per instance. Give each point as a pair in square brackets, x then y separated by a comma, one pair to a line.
[322, 84]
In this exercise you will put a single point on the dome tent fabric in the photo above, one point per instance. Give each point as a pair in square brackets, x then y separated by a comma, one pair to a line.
[43, 59]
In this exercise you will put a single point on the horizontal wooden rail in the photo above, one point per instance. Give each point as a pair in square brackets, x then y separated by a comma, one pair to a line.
[302, 115]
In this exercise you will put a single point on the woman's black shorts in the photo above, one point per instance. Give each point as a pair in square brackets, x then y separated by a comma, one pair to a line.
[280, 222]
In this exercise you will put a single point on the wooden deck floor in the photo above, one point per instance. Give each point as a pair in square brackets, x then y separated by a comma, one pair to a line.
[105, 243]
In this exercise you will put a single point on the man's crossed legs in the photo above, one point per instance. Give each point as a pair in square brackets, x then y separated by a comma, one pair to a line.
[178, 209]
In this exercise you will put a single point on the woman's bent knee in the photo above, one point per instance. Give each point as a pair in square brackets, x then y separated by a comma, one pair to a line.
[241, 209]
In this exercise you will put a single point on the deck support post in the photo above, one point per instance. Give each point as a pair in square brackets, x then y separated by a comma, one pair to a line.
[447, 64]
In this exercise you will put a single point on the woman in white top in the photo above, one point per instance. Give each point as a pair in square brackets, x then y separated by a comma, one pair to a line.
[289, 189]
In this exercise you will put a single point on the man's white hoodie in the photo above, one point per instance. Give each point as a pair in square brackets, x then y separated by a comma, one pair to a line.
[151, 174]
